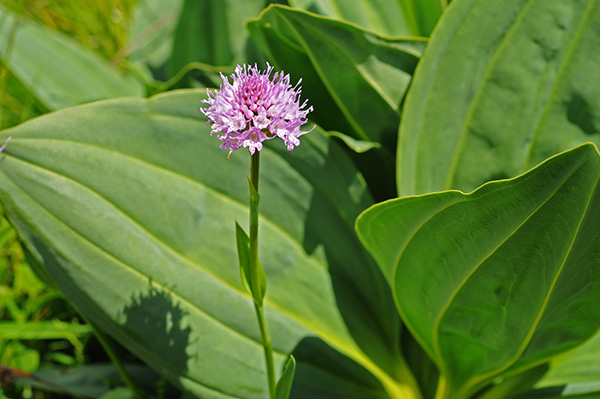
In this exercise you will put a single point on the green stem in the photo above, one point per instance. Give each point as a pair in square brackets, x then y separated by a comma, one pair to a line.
[254, 199]
[258, 306]
[114, 357]
[267, 348]
[442, 388]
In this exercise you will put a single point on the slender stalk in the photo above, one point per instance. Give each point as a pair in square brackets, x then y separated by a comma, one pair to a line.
[267, 348]
[258, 306]
[114, 357]
[254, 199]
[442, 388]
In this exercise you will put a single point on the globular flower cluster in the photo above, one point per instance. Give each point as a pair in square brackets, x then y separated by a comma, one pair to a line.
[255, 108]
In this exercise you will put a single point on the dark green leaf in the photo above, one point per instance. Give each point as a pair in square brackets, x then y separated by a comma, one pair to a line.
[90, 381]
[212, 32]
[499, 280]
[504, 85]
[355, 79]
[388, 17]
[423, 15]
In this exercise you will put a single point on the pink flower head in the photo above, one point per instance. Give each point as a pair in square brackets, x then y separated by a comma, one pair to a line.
[254, 108]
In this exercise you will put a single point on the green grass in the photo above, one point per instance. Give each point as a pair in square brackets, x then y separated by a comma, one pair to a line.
[100, 25]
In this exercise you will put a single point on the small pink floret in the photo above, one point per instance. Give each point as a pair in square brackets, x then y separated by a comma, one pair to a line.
[5, 143]
[254, 108]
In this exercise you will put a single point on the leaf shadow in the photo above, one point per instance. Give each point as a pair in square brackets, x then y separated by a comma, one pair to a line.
[169, 335]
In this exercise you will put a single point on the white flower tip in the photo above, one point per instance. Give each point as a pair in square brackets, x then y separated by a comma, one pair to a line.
[5, 143]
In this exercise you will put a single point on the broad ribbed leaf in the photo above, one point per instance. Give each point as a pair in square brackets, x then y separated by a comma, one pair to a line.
[212, 32]
[388, 17]
[56, 69]
[504, 85]
[500, 279]
[355, 79]
[129, 205]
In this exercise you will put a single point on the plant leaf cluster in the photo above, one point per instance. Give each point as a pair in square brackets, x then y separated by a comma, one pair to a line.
[480, 280]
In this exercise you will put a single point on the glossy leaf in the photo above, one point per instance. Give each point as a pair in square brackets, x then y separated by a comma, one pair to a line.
[129, 206]
[504, 85]
[388, 17]
[355, 79]
[56, 69]
[501, 279]
[212, 32]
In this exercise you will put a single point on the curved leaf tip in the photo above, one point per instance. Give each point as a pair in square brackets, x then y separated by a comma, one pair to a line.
[502, 278]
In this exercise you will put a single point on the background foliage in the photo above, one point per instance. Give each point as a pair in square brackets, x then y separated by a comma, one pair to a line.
[118, 203]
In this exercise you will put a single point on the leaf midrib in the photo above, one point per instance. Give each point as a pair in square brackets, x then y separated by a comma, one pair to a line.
[480, 89]
[560, 75]
[476, 380]
[164, 170]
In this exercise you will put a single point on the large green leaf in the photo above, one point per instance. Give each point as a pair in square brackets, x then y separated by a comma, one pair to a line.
[212, 32]
[503, 86]
[388, 17]
[56, 69]
[355, 79]
[129, 205]
[501, 279]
